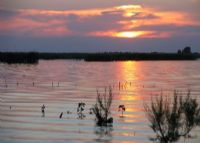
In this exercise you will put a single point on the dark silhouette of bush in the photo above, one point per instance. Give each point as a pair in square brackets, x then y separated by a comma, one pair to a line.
[102, 108]
[170, 121]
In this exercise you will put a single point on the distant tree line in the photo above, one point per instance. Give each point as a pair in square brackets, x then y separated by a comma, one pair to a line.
[50, 56]
[19, 57]
[33, 57]
[139, 56]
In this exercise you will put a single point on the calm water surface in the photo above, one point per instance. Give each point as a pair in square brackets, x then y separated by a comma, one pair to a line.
[78, 82]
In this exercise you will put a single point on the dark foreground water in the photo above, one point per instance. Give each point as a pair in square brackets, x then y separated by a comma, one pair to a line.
[78, 82]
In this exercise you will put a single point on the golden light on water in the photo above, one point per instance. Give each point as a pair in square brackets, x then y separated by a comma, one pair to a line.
[127, 72]
[128, 93]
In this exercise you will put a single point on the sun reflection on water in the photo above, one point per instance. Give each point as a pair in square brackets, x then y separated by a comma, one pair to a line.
[128, 91]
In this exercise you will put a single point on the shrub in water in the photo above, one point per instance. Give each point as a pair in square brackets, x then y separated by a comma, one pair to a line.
[191, 111]
[170, 121]
[102, 108]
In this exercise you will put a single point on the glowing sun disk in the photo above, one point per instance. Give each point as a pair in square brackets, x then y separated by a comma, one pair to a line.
[129, 34]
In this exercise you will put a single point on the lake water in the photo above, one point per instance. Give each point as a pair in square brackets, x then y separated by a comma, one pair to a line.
[78, 82]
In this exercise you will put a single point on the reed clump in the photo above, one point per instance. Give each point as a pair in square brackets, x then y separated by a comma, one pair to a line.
[102, 108]
[173, 120]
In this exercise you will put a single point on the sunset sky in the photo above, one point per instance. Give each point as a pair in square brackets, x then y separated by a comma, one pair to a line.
[99, 25]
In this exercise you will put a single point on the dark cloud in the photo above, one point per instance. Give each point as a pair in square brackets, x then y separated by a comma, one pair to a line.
[6, 14]
[144, 15]
[105, 21]
[184, 30]
[168, 27]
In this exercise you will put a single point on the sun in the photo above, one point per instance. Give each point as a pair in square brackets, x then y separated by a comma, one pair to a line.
[129, 34]
[124, 34]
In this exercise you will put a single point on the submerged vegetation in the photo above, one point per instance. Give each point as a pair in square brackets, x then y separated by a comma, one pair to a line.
[173, 120]
[102, 108]
[33, 57]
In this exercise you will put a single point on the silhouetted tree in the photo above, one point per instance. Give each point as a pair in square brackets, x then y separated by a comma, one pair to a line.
[187, 50]
[179, 51]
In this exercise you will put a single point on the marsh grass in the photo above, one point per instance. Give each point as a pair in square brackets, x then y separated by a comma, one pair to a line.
[102, 108]
[172, 120]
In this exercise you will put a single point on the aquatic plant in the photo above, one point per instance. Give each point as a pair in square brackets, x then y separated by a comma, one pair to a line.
[69, 112]
[80, 110]
[43, 110]
[122, 109]
[102, 108]
[80, 107]
[91, 111]
[170, 121]
[61, 114]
